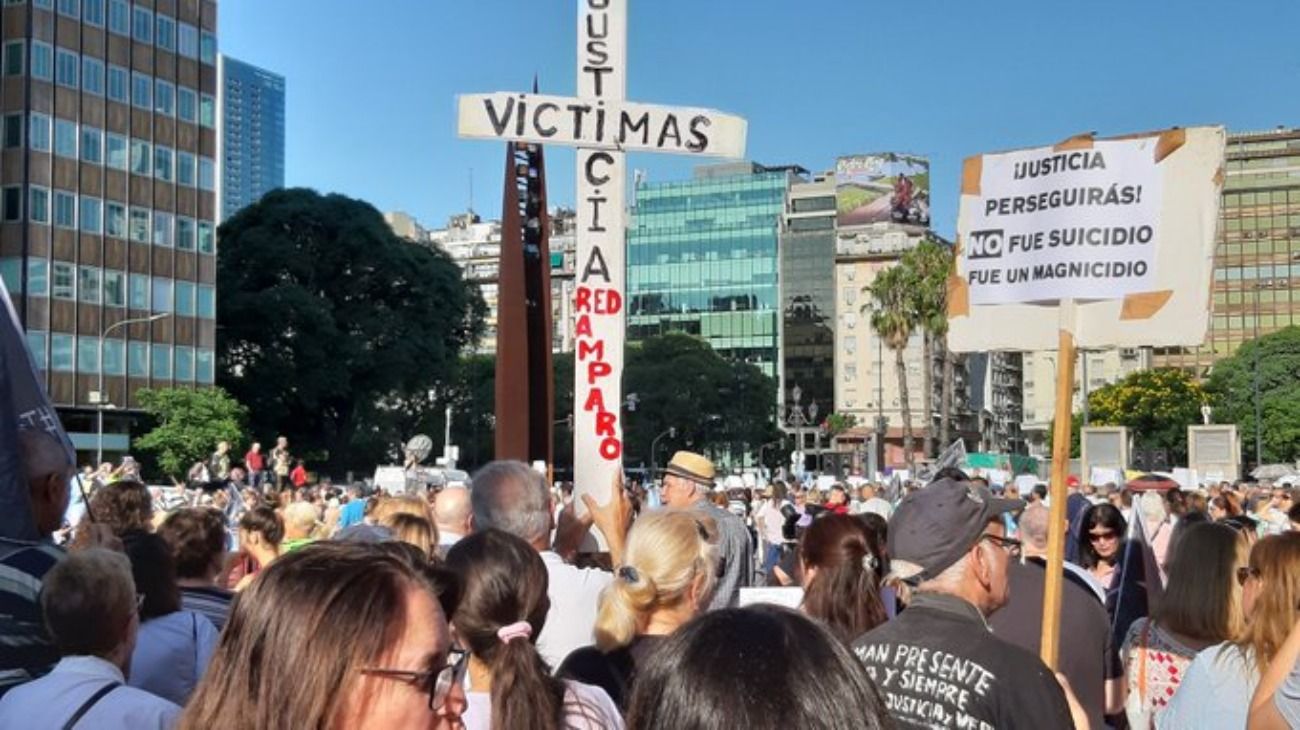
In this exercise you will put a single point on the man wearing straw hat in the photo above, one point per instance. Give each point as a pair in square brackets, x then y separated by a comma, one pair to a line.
[687, 481]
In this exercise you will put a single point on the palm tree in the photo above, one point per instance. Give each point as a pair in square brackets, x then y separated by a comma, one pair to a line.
[930, 263]
[893, 318]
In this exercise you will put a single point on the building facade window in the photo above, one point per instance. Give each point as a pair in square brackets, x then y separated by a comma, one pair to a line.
[162, 294]
[187, 104]
[203, 366]
[186, 174]
[92, 215]
[115, 151]
[187, 40]
[12, 204]
[162, 163]
[15, 56]
[92, 75]
[114, 288]
[162, 229]
[119, 17]
[38, 204]
[185, 306]
[138, 295]
[142, 24]
[207, 174]
[88, 284]
[42, 63]
[36, 341]
[13, 131]
[164, 97]
[114, 357]
[160, 362]
[38, 132]
[92, 145]
[141, 91]
[63, 280]
[66, 67]
[93, 12]
[139, 225]
[207, 111]
[38, 277]
[118, 80]
[65, 138]
[208, 49]
[184, 233]
[137, 359]
[184, 364]
[115, 219]
[165, 38]
[207, 241]
[88, 355]
[65, 209]
[70, 8]
[207, 301]
[141, 158]
[62, 352]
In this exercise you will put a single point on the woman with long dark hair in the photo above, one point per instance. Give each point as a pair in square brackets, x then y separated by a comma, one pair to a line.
[757, 668]
[502, 610]
[841, 575]
[339, 636]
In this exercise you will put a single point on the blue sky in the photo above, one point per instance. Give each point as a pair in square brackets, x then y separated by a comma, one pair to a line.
[371, 84]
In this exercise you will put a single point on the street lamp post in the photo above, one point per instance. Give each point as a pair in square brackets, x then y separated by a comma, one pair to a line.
[670, 432]
[99, 395]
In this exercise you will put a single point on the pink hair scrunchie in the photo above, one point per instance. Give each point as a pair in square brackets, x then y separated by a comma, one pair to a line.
[517, 630]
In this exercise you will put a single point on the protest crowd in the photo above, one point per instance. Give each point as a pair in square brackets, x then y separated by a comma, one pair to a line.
[256, 596]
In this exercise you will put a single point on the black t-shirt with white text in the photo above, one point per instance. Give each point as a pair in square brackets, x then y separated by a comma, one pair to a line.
[939, 666]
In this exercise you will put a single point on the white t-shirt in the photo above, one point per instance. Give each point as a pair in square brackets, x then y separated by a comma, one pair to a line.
[772, 519]
[586, 707]
[1215, 691]
[575, 595]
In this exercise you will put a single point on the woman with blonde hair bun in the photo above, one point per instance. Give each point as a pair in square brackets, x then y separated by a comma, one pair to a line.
[669, 572]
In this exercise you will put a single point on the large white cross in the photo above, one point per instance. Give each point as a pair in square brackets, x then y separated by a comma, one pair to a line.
[602, 124]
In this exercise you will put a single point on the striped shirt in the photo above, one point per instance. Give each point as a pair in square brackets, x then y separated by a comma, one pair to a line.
[209, 601]
[26, 651]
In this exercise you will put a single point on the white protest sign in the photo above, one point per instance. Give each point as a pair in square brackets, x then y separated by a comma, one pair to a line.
[626, 126]
[1101, 476]
[602, 124]
[1073, 224]
[1138, 265]
[790, 597]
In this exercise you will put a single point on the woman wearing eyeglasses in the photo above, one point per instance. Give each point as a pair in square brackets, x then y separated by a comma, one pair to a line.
[669, 571]
[1100, 543]
[502, 609]
[1217, 688]
[339, 636]
[1201, 607]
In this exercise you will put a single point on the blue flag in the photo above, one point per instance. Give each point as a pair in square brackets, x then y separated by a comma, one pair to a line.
[23, 405]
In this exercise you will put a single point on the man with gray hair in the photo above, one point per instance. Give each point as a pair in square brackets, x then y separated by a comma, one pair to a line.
[451, 515]
[512, 497]
[25, 648]
[939, 663]
[89, 603]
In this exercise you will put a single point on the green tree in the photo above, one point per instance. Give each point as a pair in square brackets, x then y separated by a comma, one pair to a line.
[837, 423]
[893, 317]
[1156, 405]
[929, 265]
[333, 329]
[723, 407]
[1232, 389]
[190, 422]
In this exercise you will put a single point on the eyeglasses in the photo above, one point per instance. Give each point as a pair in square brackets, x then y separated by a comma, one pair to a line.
[436, 682]
[1012, 546]
[1245, 573]
[1097, 536]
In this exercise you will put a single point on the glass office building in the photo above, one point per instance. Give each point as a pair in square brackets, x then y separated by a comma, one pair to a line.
[808, 294]
[252, 134]
[703, 259]
[109, 164]
[1257, 258]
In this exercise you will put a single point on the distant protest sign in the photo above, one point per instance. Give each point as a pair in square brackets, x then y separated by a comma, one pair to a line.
[1122, 229]
[1071, 224]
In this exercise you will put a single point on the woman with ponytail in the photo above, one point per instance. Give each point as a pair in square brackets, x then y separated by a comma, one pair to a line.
[670, 570]
[842, 562]
[502, 609]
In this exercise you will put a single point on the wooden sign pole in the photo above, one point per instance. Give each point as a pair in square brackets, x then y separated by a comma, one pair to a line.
[1049, 647]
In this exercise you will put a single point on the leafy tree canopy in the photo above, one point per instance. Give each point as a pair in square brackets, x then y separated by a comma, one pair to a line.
[1155, 405]
[1232, 388]
[334, 330]
[190, 423]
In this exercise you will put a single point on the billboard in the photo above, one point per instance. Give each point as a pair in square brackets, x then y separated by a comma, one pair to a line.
[882, 188]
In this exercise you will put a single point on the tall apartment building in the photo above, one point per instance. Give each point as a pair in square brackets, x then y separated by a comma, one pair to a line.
[108, 170]
[252, 133]
[406, 226]
[475, 245]
[866, 373]
[1257, 258]
[702, 259]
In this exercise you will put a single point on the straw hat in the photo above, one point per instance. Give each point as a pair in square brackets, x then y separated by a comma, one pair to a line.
[692, 466]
